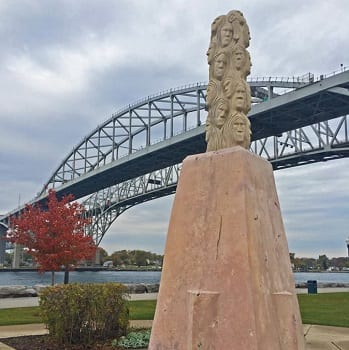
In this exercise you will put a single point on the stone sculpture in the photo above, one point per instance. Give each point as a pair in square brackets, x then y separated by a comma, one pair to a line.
[227, 281]
[228, 97]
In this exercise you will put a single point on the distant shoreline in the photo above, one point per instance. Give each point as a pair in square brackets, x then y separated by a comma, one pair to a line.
[88, 268]
[19, 291]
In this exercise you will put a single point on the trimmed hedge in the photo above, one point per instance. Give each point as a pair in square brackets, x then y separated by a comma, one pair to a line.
[82, 313]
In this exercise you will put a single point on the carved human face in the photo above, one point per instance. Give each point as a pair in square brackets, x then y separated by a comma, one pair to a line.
[239, 100]
[239, 130]
[248, 63]
[211, 93]
[221, 114]
[215, 24]
[209, 54]
[219, 66]
[246, 35]
[239, 58]
[226, 34]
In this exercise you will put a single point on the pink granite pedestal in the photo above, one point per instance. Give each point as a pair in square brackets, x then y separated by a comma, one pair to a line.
[227, 282]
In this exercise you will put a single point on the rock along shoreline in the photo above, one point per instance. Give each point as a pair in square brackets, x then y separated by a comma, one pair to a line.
[18, 291]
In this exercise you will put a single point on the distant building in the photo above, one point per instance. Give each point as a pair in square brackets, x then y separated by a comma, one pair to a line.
[108, 264]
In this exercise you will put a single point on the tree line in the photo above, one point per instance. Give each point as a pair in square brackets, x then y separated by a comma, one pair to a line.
[322, 263]
[138, 258]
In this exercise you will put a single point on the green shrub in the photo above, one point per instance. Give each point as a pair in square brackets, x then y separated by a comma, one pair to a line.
[134, 340]
[82, 313]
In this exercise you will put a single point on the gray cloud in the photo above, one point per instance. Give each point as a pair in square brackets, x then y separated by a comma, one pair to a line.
[68, 66]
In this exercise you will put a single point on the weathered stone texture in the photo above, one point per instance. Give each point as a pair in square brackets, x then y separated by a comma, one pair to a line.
[228, 97]
[227, 281]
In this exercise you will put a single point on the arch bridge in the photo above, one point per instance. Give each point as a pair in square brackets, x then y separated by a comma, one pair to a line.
[136, 155]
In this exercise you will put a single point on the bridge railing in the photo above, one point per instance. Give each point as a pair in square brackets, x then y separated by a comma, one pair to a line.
[306, 79]
[331, 74]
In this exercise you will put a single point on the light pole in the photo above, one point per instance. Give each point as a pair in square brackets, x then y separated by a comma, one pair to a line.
[347, 242]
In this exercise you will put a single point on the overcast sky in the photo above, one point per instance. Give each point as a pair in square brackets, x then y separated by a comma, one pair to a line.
[66, 66]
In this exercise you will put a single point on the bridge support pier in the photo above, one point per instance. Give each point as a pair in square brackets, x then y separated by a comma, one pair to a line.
[270, 92]
[98, 257]
[3, 230]
[16, 256]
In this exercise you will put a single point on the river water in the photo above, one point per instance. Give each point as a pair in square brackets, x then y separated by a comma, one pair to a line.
[30, 278]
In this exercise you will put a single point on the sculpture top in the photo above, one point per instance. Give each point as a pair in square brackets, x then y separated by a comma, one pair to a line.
[228, 97]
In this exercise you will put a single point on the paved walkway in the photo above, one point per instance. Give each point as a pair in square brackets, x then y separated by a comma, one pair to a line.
[317, 337]
[326, 338]
[9, 303]
[322, 290]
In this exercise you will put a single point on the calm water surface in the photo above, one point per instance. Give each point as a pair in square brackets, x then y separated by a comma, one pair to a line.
[33, 278]
[322, 277]
[30, 278]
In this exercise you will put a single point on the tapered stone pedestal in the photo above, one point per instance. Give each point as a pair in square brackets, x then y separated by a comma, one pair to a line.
[227, 282]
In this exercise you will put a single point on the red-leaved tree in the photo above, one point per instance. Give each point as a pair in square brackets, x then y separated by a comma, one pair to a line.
[54, 235]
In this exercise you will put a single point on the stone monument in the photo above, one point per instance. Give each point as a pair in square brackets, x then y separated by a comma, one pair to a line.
[227, 282]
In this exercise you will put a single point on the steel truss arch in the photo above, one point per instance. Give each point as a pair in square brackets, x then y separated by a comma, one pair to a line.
[135, 127]
[318, 142]
[322, 141]
[3, 224]
[104, 206]
[148, 121]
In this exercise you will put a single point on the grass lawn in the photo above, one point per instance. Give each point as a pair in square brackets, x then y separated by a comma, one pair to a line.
[139, 310]
[21, 315]
[331, 309]
[142, 309]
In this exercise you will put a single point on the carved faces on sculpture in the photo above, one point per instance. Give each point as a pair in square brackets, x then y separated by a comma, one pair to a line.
[239, 98]
[210, 53]
[236, 131]
[211, 94]
[228, 94]
[236, 91]
[228, 87]
[239, 129]
[216, 24]
[240, 28]
[220, 63]
[246, 35]
[221, 113]
[239, 58]
[226, 34]
[248, 64]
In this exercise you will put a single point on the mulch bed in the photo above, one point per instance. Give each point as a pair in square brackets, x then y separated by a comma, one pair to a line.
[44, 342]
